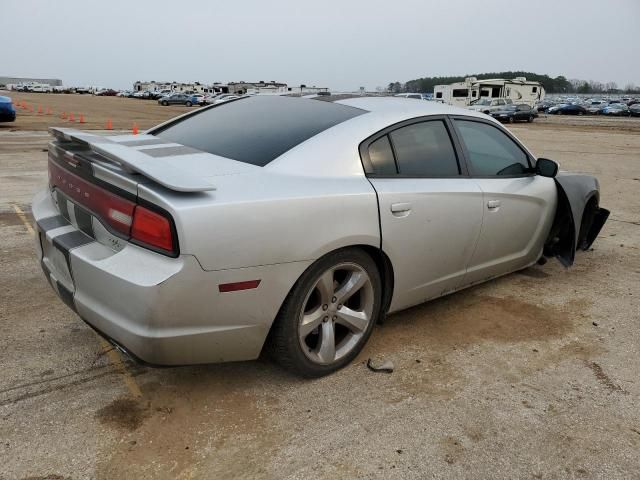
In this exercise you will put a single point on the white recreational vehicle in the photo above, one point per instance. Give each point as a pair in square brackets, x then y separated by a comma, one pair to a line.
[473, 91]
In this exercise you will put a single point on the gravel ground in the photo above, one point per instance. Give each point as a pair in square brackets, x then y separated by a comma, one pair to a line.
[533, 375]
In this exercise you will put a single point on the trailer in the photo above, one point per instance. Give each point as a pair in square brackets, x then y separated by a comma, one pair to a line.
[472, 91]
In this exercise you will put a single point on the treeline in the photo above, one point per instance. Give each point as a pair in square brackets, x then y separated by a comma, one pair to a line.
[558, 84]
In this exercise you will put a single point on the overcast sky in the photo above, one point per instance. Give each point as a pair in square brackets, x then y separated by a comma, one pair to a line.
[340, 44]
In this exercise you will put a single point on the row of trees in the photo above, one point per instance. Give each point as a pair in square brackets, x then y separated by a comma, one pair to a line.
[552, 85]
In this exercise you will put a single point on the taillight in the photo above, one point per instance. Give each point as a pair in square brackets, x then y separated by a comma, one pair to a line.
[111, 208]
[152, 229]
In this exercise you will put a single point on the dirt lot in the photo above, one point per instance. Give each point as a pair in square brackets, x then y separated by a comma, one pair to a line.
[534, 375]
[123, 112]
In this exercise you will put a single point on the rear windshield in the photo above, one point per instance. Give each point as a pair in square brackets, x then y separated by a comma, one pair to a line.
[256, 129]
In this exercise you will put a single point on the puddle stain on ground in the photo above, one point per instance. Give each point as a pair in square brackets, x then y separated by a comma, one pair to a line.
[125, 413]
[195, 422]
[468, 319]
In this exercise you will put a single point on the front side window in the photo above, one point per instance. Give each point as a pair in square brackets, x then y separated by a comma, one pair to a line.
[490, 151]
[425, 149]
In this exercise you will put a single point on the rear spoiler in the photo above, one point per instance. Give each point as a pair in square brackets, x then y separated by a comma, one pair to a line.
[157, 169]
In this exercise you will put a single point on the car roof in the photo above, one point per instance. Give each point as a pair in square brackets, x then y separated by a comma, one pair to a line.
[399, 106]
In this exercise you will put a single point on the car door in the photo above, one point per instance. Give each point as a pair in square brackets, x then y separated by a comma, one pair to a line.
[430, 210]
[518, 205]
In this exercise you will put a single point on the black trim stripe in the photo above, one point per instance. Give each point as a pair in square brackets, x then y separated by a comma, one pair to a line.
[49, 223]
[142, 143]
[66, 295]
[169, 151]
[47, 273]
[62, 205]
[83, 219]
[68, 241]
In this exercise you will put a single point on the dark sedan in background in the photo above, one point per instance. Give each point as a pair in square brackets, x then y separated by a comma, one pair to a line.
[567, 110]
[7, 111]
[177, 99]
[515, 113]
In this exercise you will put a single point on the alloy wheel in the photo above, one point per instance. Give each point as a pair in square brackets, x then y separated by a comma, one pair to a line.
[336, 313]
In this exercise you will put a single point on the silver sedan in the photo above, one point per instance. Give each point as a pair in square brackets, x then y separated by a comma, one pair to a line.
[294, 224]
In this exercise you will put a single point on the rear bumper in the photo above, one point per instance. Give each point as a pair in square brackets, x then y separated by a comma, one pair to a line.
[165, 311]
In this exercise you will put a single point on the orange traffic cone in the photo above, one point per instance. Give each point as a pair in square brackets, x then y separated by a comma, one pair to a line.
[23, 105]
[71, 117]
[109, 124]
[40, 110]
[81, 118]
[135, 128]
[49, 112]
[63, 115]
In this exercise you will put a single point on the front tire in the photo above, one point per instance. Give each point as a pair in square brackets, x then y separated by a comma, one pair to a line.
[165, 104]
[530, 119]
[188, 104]
[328, 315]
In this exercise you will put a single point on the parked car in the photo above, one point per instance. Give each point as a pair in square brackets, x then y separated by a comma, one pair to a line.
[106, 92]
[567, 109]
[177, 254]
[634, 110]
[176, 99]
[224, 98]
[514, 113]
[211, 99]
[487, 105]
[543, 106]
[156, 94]
[616, 110]
[7, 110]
[40, 88]
[197, 99]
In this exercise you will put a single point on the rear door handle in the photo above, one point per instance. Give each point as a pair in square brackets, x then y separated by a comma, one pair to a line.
[399, 208]
[493, 204]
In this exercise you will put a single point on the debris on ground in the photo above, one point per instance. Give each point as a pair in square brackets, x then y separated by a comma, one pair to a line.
[385, 367]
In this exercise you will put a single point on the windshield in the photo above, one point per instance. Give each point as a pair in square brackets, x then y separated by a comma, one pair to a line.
[483, 101]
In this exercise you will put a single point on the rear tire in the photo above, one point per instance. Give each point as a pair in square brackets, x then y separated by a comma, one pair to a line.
[188, 104]
[511, 120]
[315, 334]
[165, 104]
[530, 119]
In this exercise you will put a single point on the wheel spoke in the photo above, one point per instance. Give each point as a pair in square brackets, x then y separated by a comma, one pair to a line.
[356, 281]
[310, 321]
[327, 343]
[325, 286]
[355, 321]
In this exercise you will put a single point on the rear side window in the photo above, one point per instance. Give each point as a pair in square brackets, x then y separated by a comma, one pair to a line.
[490, 151]
[425, 149]
[381, 157]
[256, 129]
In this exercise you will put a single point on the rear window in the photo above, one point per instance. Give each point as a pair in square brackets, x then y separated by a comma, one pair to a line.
[257, 129]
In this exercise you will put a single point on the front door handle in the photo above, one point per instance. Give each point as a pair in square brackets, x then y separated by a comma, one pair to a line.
[400, 209]
[493, 204]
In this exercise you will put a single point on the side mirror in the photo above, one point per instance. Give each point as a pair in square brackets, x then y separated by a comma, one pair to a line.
[546, 167]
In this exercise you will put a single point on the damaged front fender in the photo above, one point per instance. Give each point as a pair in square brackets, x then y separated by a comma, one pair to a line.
[579, 218]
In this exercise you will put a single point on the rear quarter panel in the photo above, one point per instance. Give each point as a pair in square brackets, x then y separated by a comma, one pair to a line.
[266, 218]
